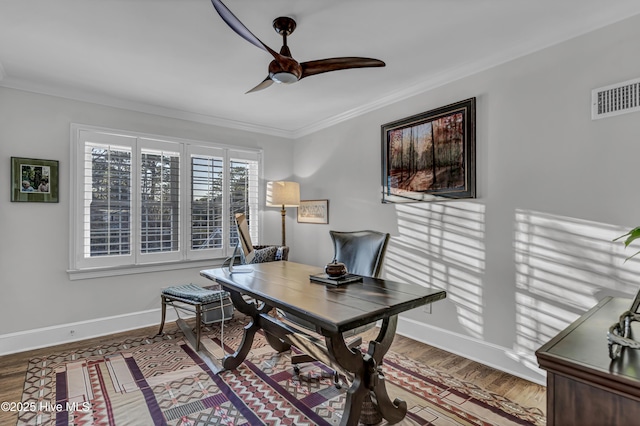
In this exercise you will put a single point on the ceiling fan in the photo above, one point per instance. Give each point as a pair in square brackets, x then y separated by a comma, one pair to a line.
[285, 69]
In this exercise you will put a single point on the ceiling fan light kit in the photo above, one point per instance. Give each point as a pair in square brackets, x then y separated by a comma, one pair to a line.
[284, 78]
[284, 69]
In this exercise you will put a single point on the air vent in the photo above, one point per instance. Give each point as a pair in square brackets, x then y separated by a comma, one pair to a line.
[616, 99]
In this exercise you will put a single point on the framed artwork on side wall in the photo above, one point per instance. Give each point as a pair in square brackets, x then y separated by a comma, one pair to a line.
[313, 211]
[34, 180]
[430, 156]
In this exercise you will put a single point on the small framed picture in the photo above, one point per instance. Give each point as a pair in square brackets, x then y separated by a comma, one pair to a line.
[34, 180]
[313, 211]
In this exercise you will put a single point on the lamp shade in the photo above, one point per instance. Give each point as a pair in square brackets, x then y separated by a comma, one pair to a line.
[283, 193]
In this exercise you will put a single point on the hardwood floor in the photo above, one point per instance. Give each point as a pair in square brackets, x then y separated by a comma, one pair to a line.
[523, 392]
[13, 369]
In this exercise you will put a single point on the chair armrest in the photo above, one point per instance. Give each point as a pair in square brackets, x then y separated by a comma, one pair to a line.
[284, 250]
[284, 254]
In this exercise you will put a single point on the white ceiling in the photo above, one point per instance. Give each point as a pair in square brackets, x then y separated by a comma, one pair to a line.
[178, 58]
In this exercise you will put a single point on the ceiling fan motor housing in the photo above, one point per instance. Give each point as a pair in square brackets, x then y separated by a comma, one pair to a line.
[286, 71]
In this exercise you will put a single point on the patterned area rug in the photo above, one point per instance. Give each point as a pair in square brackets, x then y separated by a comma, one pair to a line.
[163, 381]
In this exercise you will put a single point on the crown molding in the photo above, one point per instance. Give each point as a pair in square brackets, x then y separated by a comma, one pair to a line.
[103, 100]
[413, 89]
[417, 88]
[451, 75]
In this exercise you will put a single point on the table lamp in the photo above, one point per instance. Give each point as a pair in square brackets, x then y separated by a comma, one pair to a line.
[283, 194]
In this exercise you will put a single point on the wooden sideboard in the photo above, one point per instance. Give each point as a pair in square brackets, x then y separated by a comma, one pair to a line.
[584, 387]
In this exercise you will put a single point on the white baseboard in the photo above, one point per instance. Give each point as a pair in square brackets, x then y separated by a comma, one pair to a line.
[500, 358]
[504, 359]
[58, 334]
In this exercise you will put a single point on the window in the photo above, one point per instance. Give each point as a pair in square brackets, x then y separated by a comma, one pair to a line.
[142, 200]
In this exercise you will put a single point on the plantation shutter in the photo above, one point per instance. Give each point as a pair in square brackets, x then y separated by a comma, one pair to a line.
[159, 201]
[243, 196]
[109, 199]
[207, 186]
[141, 200]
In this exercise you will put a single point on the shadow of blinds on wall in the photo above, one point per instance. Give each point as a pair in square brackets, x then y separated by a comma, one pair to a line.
[442, 245]
[564, 266]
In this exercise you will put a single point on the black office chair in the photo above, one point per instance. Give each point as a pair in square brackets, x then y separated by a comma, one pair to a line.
[362, 252]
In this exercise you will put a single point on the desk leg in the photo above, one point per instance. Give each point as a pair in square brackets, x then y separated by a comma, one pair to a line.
[232, 361]
[396, 410]
[275, 342]
[369, 379]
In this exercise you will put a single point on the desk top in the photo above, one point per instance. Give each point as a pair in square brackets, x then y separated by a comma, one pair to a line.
[286, 285]
[581, 349]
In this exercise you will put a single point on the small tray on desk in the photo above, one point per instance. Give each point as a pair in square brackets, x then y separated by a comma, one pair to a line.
[326, 279]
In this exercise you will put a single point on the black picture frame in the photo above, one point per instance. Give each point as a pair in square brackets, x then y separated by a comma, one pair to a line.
[430, 156]
[34, 180]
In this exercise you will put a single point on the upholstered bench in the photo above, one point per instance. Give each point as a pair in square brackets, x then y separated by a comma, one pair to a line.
[208, 305]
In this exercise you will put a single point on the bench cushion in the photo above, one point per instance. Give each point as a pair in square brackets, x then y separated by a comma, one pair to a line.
[196, 293]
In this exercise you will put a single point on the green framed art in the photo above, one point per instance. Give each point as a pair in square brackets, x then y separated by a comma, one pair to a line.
[34, 180]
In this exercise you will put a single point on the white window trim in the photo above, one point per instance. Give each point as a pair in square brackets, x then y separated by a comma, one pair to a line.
[186, 258]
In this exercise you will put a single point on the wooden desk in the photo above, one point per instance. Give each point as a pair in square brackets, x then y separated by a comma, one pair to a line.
[584, 387]
[334, 310]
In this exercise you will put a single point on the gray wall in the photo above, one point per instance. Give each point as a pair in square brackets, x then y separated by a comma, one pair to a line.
[520, 262]
[41, 304]
[534, 250]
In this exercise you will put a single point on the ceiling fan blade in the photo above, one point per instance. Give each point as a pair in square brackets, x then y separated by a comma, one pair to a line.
[234, 23]
[335, 64]
[263, 85]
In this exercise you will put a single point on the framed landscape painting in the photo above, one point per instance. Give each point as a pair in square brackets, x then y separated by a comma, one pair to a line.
[313, 211]
[430, 156]
[34, 180]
